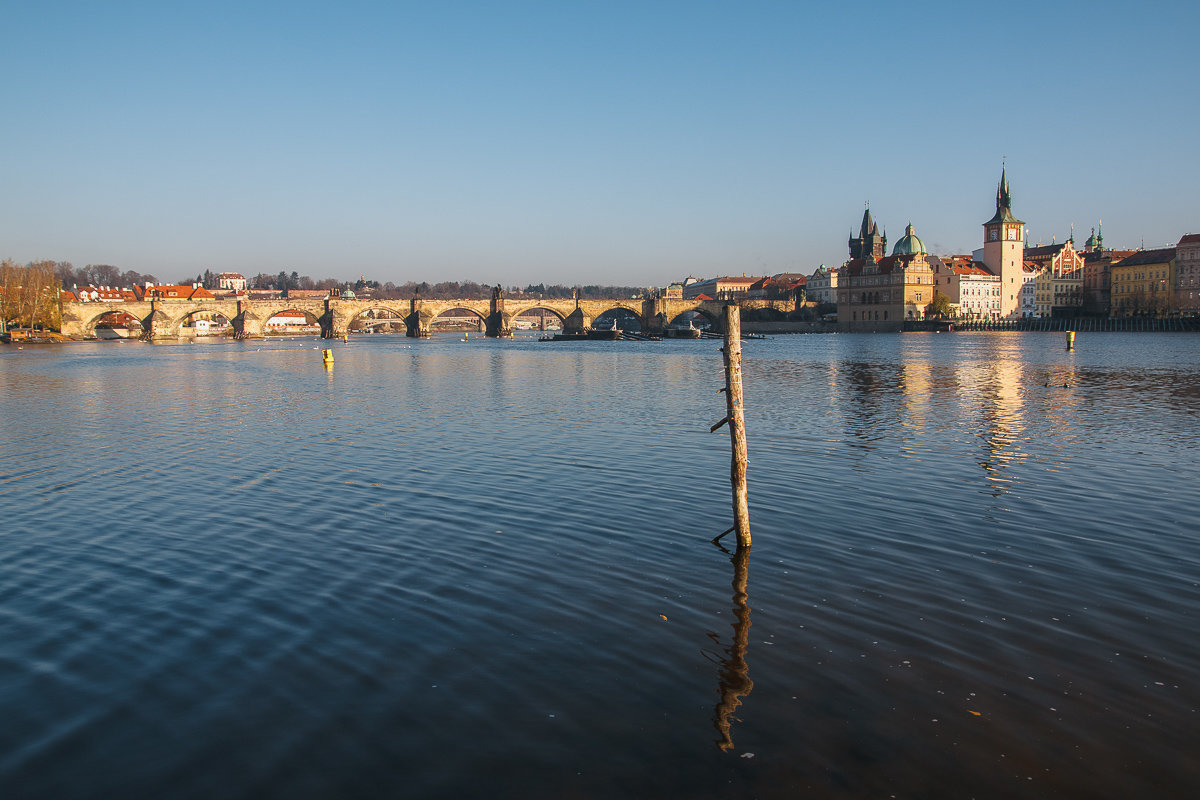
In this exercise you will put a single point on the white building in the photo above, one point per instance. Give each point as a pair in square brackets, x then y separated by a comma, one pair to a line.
[971, 287]
[822, 285]
[232, 281]
[978, 293]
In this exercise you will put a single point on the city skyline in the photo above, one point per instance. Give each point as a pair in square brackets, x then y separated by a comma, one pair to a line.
[614, 144]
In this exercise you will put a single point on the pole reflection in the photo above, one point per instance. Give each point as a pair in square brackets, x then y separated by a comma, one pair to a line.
[734, 676]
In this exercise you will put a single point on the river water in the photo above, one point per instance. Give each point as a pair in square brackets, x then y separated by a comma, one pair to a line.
[482, 569]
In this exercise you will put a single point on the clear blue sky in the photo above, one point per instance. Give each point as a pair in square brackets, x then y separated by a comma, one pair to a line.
[581, 142]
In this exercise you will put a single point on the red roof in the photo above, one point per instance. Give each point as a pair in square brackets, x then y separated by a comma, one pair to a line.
[974, 268]
[703, 297]
[1191, 238]
[100, 294]
[176, 292]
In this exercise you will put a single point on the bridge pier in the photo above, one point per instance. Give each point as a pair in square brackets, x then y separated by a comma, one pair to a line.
[245, 324]
[326, 321]
[418, 324]
[156, 325]
[654, 316]
[498, 323]
[577, 321]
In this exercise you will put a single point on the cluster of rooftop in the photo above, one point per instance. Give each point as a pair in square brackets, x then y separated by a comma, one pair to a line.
[1006, 278]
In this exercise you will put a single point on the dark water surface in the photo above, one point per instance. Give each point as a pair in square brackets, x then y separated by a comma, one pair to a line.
[482, 569]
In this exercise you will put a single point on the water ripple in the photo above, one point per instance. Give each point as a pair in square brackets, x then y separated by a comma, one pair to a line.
[446, 568]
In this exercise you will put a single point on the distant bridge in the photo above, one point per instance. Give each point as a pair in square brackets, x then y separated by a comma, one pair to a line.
[173, 318]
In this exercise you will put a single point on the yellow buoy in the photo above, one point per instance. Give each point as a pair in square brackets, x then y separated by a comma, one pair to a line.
[327, 356]
[1070, 340]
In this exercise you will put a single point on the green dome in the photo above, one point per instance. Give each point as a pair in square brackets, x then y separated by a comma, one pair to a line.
[349, 295]
[909, 244]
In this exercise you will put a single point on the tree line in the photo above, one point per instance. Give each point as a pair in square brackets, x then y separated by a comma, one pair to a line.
[98, 275]
[443, 290]
[29, 295]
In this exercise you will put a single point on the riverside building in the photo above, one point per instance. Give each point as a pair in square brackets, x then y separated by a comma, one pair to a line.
[877, 294]
[1142, 283]
[1187, 275]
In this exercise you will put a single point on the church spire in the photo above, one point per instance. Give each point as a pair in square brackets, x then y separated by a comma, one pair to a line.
[1003, 202]
[1003, 196]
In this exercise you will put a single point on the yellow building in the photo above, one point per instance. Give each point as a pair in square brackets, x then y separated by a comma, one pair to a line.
[1142, 283]
[879, 294]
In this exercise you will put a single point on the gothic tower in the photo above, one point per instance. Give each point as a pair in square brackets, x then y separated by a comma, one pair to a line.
[870, 242]
[1004, 249]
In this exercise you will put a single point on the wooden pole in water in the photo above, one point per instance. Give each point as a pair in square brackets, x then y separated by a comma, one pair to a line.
[737, 422]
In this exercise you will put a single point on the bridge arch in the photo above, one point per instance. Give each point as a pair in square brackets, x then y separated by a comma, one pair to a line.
[619, 312]
[444, 316]
[693, 314]
[285, 321]
[114, 320]
[532, 314]
[367, 318]
[220, 324]
[633, 308]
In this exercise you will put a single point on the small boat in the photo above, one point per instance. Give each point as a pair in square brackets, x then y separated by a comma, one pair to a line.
[612, 332]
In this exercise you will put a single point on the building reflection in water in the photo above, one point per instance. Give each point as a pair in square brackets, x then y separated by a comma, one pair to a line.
[1001, 424]
[734, 676]
[867, 408]
[915, 380]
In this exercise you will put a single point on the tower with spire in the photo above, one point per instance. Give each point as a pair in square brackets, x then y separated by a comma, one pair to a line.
[1003, 248]
[870, 242]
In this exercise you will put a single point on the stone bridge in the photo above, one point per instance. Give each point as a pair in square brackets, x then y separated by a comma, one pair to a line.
[171, 318]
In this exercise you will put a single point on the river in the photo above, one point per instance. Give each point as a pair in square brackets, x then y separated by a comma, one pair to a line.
[482, 568]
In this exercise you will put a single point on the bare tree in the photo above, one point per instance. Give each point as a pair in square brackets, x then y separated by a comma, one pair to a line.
[29, 294]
